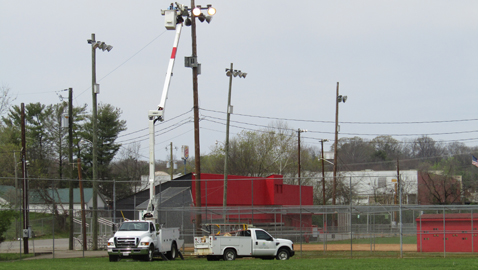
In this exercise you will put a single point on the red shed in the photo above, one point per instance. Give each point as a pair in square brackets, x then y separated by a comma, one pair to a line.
[260, 191]
[458, 230]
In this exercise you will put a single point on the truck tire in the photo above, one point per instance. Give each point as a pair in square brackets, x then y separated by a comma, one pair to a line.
[150, 255]
[173, 253]
[229, 254]
[283, 254]
[114, 258]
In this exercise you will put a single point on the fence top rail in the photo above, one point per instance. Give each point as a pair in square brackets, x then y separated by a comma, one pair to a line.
[320, 209]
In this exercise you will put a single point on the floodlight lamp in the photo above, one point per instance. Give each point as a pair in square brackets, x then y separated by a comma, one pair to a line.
[228, 72]
[197, 11]
[109, 48]
[188, 22]
[201, 17]
[208, 19]
[210, 10]
[236, 72]
[90, 41]
[344, 98]
[179, 19]
[339, 98]
[244, 75]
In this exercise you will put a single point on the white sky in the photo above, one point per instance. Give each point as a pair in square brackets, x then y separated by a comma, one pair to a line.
[397, 61]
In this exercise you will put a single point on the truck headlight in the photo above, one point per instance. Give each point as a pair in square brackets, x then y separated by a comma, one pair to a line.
[111, 244]
[144, 244]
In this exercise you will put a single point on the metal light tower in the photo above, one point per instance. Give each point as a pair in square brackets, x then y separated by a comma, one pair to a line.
[95, 90]
[230, 73]
[338, 99]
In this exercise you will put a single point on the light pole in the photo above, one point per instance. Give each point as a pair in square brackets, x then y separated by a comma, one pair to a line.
[230, 73]
[95, 89]
[338, 99]
[323, 169]
[299, 131]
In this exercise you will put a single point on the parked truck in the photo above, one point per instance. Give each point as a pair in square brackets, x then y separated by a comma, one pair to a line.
[253, 242]
[141, 239]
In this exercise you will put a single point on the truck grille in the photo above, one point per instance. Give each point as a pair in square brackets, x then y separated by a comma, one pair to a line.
[122, 242]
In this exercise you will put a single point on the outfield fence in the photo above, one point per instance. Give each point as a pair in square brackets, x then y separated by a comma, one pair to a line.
[353, 227]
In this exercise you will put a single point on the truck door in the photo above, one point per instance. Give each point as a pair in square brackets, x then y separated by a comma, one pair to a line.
[263, 244]
[153, 235]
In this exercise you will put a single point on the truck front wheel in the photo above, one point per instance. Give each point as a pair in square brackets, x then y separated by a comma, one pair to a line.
[150, 255]
[229, 255]
[283, 254]
[114, 258]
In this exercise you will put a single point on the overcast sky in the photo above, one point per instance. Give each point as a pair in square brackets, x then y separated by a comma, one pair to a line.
[397, 61]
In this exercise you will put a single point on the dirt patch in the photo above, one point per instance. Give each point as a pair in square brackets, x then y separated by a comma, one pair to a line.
[357, 247]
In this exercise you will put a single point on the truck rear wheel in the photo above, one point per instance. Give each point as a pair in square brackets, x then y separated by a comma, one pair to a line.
[173, 253]
[229, 254]
[283, 254]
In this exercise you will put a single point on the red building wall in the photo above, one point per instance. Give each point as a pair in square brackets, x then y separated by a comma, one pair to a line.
[266, 191]
[459, 234]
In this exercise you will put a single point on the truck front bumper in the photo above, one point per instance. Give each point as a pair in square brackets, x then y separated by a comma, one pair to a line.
[126, 252]
[292, 253]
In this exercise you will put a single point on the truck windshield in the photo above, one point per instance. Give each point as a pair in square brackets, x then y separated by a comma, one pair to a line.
[134, 226]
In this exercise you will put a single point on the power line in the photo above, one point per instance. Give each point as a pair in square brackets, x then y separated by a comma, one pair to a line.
[345, 122]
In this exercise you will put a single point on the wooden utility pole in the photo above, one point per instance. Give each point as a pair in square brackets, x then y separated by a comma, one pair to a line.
[82, 201]
[323, 171]
[171, 161]
[197, 152]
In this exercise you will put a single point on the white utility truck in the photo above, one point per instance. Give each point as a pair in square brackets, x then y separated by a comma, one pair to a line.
[140, 239]
[253, 242]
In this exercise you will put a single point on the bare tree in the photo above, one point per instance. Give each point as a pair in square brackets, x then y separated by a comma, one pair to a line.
[5, 99]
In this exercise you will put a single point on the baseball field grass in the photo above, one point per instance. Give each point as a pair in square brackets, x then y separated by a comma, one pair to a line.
[340, 260]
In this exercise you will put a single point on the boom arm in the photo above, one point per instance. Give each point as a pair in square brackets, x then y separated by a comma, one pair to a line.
[159, 115]
[164, 96]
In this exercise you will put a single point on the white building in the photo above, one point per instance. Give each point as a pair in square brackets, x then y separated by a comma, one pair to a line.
[378, 187]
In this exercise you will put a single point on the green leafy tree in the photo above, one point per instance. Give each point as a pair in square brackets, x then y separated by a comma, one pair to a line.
[109, 127]
[6, 218]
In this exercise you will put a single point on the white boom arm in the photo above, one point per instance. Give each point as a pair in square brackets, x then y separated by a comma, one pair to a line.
[159, 115]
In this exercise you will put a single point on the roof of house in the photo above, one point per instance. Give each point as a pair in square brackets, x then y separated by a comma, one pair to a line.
[7, 193]
[167, 197]
[61, 195]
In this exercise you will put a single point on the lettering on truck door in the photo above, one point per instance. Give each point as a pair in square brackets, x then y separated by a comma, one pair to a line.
[263, 244]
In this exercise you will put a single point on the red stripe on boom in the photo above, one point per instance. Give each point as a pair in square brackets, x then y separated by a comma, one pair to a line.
[173, 53]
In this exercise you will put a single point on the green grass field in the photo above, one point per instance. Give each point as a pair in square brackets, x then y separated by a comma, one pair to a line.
[247, 263]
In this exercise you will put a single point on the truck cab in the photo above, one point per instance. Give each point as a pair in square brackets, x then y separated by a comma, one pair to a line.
[140, 239]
